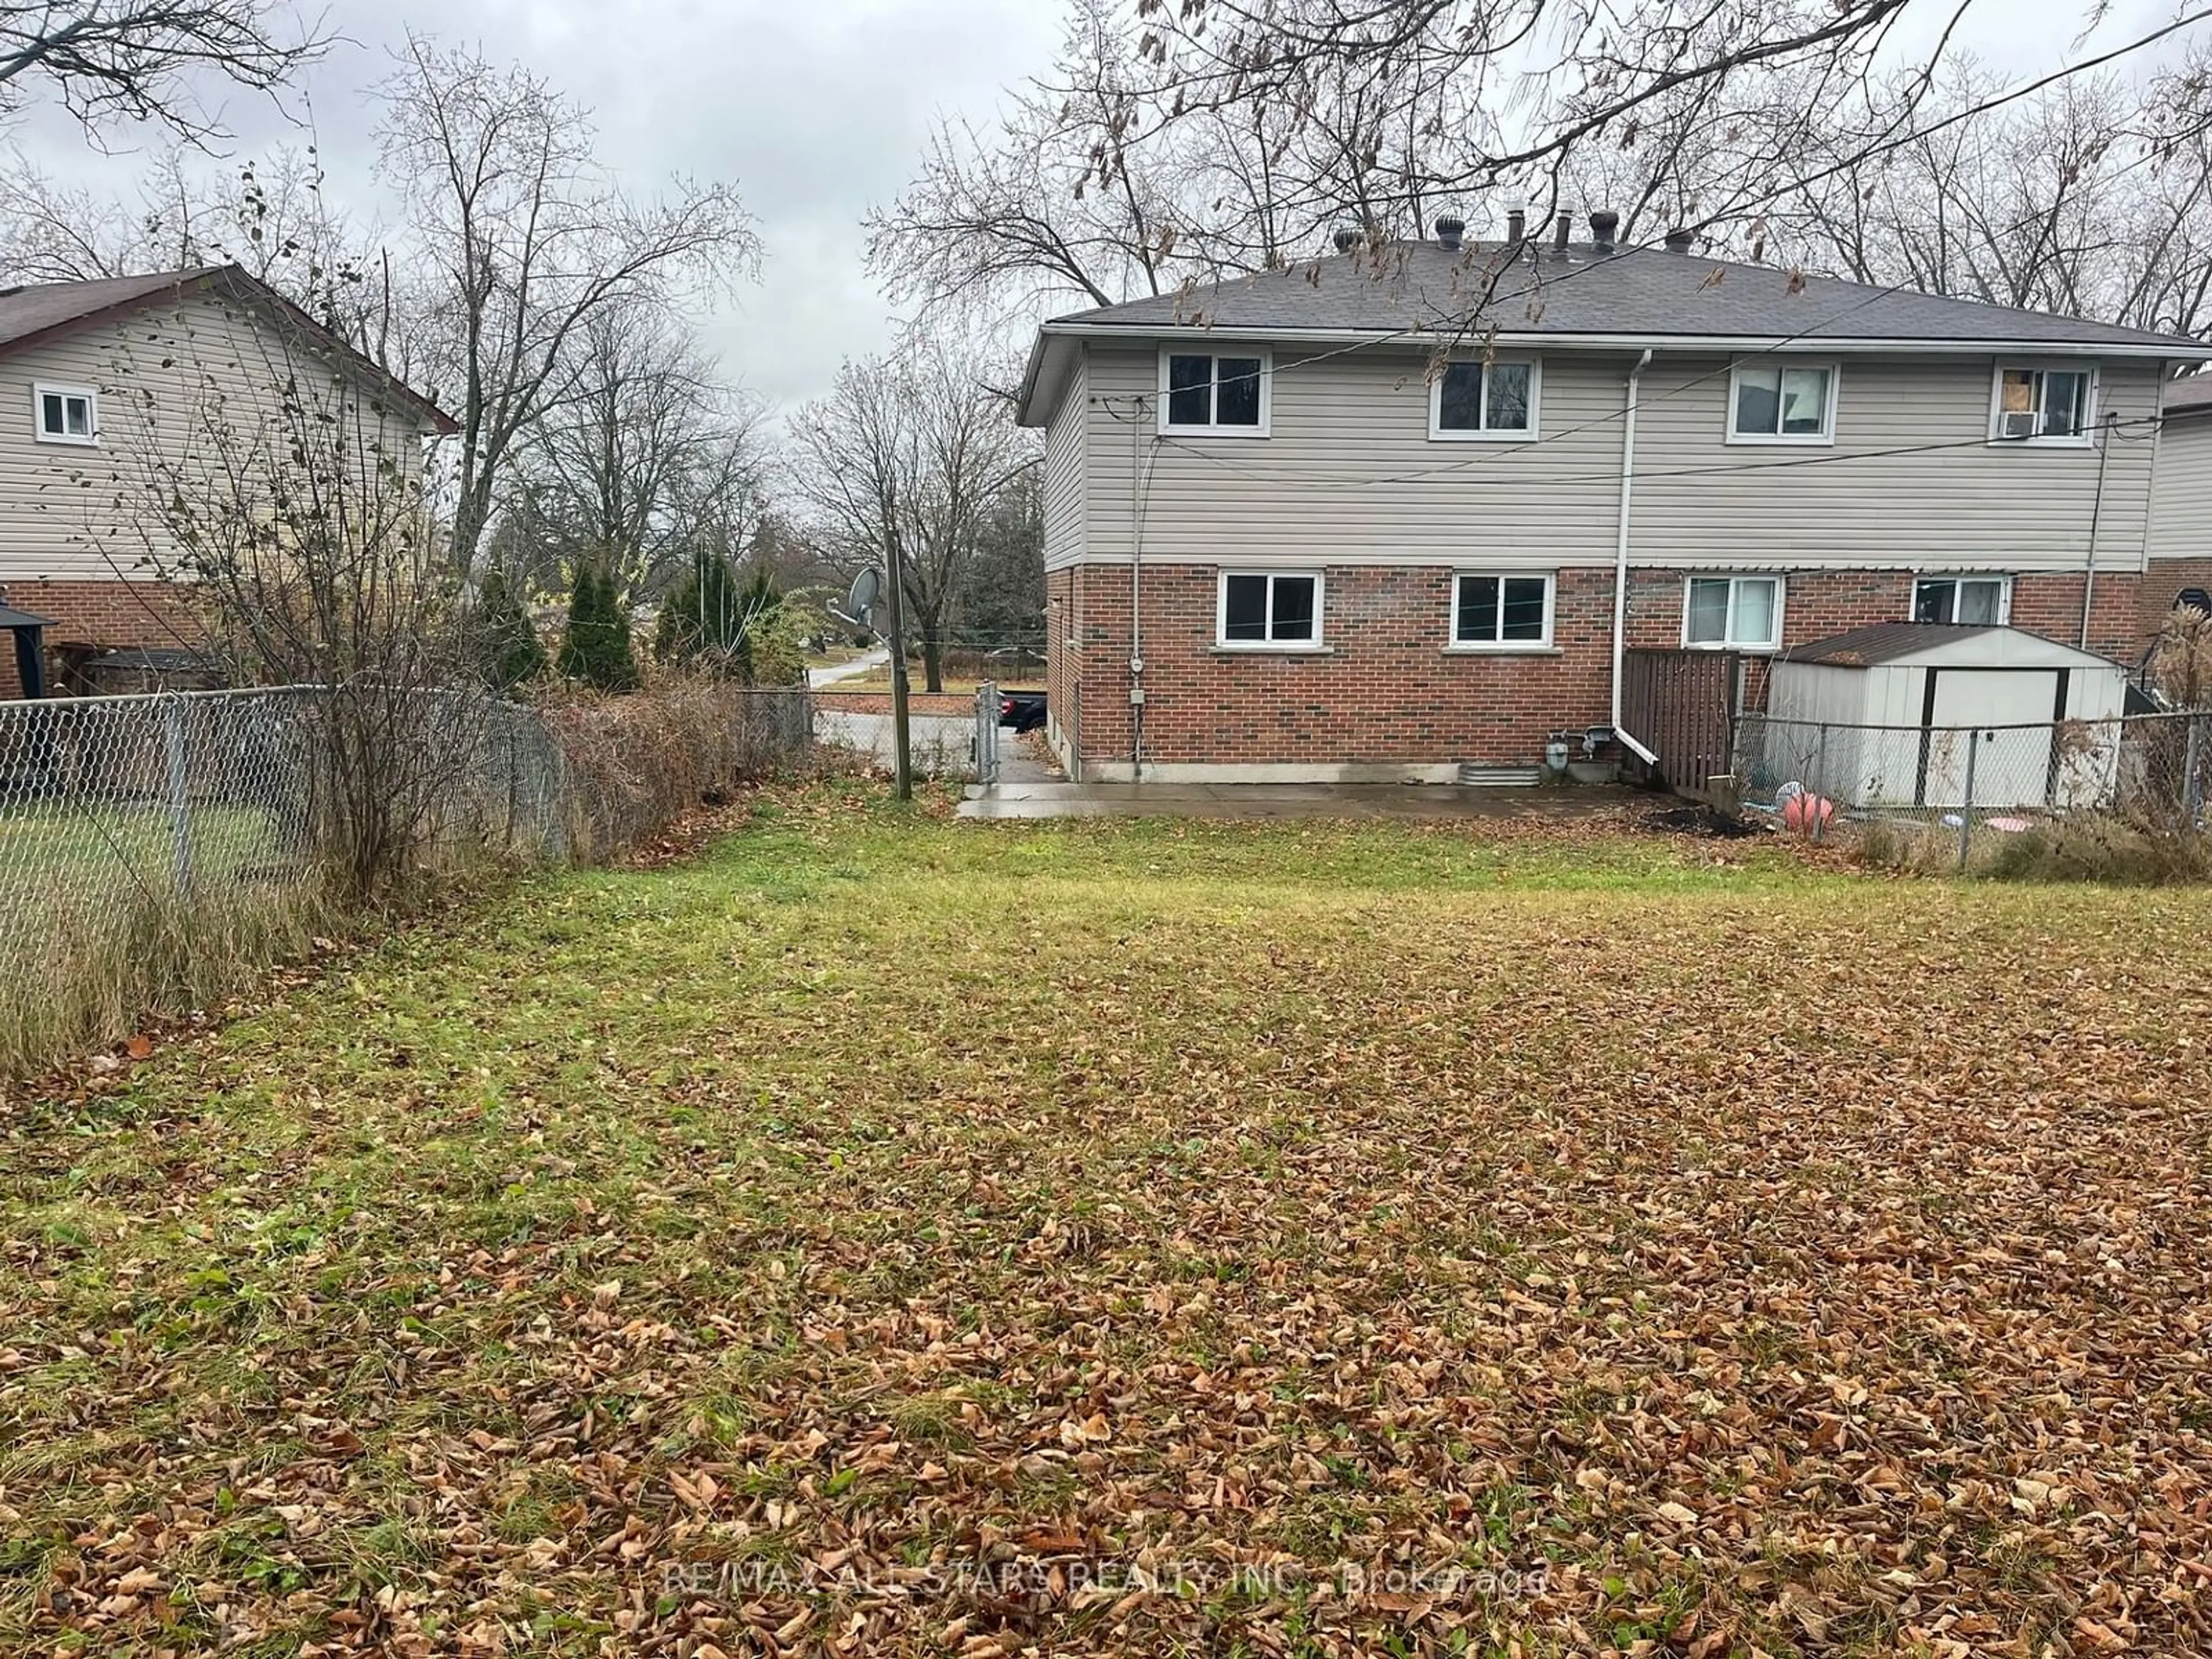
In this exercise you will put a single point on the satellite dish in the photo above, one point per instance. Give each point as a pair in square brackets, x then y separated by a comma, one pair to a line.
[867, 588]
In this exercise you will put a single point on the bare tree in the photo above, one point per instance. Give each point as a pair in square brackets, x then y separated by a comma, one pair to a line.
[903, 462]
[1001, 597]
[2073, 201]
[646, 458]
[517, 238]
[273, 217]
[1080, 194]
[282, 492]
[135, 60]
[1174, 143]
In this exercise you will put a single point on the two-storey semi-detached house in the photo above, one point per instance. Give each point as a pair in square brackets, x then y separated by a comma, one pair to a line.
[1321, 523]
[112, 391]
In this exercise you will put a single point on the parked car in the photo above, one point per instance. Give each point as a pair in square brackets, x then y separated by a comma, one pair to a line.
[1023, 710]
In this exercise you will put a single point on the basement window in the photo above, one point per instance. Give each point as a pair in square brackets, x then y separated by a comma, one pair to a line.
[1274, 611]
[65, 415]
[1484, 400]
[1220, 393]
[1971, 600]
[1732, 613]
[1501, 613]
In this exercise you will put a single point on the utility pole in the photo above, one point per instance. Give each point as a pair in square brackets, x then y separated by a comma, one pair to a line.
[901, 740]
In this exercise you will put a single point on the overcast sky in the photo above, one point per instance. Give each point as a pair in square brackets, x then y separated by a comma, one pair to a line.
[815, 109]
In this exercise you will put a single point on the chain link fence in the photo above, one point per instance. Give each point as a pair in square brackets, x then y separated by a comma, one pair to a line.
[2152, 773]
[152, 847]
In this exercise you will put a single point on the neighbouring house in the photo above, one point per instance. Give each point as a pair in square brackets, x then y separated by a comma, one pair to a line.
[1305, 525]
[2178, 564]
[109, 386]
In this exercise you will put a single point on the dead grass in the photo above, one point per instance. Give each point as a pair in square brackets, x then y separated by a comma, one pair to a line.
[887, 1236]
[85, 968]
[2108, 849]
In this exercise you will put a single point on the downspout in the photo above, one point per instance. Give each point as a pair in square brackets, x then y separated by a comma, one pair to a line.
[2096, 516]
[1136, 593]
[1620, 559]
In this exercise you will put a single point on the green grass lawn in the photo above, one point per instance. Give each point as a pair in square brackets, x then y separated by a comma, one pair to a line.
[70, 848]
[887, 1235]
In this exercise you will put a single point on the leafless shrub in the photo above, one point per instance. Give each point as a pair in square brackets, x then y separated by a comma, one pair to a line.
[637, 760]
[279, 483]
[2181, 658]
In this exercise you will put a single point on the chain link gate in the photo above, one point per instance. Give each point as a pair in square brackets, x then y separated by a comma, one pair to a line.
[987, 733]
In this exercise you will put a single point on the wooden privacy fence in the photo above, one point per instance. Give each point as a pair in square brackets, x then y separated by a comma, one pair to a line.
[1682, 705]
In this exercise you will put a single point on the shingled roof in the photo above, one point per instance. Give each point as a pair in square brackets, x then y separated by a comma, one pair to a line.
[2191, 396]
[1880, 643]
[40, 311]
[1629, 291]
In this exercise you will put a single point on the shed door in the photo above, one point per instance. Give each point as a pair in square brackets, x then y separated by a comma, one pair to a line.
[2013, 766]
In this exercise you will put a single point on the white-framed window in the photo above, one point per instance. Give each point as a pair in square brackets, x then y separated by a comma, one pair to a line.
[1479, 400]
[1500, 613]
[1735, 613]
[1962, 600]
[1779, 403]
[65, 415]
[2043, 405]
[1225, 394]
[1269, 610]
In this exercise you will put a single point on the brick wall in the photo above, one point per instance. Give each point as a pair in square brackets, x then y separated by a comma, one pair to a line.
[2166, 578]
[1384, 691]
[100, 613]
[2051, 606]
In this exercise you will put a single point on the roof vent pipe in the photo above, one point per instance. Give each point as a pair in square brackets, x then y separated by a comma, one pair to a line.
[1517, 226]
[1679, 238]
[1564, 234]
[1603, 228]
[1448, 231]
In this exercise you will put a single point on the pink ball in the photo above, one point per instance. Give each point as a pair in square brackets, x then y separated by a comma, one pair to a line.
[1802, 812]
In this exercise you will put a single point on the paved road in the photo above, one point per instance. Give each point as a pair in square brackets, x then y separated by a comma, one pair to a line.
[818, 677]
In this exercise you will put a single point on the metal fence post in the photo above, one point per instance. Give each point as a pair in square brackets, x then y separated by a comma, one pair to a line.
[1820, 790]
[1966, 807]
[2192, 785]
[987, 733]
[180, 793]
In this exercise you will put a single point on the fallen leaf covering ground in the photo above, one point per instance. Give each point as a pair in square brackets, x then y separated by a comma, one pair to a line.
[887, 1236]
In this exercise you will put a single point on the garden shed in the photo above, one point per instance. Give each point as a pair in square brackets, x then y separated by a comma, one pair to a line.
[1948, 716]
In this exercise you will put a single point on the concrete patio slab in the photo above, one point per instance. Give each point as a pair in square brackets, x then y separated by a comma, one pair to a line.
[1283, 800]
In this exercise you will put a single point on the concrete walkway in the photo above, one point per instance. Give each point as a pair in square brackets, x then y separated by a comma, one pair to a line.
[1282, 801]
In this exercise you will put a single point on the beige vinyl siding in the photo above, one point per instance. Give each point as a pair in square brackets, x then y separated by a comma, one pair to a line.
[2181, 505]
[1063, 492]
[1959, 502]
[180, 386]
[1349, 474]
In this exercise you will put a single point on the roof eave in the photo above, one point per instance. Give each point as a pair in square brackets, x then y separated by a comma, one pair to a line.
[1044, 379]
[2173, 351]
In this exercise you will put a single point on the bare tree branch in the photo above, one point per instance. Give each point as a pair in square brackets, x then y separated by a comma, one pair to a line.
[113, 61]
[521, 240]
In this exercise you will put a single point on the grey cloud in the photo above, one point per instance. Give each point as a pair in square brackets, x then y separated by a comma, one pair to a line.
[816, 111]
